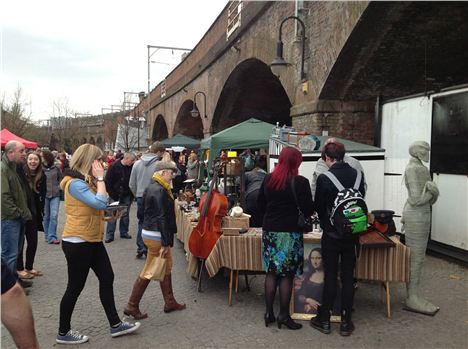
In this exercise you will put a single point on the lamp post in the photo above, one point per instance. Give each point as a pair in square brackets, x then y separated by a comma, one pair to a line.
[149, 47]
[195, 112]
[279, 61]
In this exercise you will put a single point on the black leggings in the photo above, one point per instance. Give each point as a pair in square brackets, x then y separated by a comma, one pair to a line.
[80, 258]
[31, 248]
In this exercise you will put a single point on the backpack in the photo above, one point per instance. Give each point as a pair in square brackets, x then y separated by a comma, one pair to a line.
[349, 211]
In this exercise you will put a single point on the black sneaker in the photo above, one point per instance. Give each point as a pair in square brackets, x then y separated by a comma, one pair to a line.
[109, 240]
[126, 236]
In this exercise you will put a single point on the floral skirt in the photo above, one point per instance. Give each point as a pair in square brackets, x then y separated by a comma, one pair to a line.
[283, 252]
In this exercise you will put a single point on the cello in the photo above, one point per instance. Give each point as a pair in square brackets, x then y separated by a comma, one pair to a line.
[213, 207]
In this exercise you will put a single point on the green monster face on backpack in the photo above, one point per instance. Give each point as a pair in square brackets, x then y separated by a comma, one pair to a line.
[357, 217]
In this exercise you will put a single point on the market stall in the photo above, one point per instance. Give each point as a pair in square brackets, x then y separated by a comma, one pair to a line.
[371, 158]
[250, 134]
[7, 136]
[242, 252]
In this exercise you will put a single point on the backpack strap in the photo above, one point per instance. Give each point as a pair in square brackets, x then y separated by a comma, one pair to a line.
[334, 180]
[358, 180]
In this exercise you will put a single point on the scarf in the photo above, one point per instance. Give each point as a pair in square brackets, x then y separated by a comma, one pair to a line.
[164, 184]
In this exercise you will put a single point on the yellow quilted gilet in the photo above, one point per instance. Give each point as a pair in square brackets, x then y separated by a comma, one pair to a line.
[82, 220]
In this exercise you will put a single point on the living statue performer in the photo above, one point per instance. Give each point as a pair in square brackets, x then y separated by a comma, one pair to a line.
[422, 193]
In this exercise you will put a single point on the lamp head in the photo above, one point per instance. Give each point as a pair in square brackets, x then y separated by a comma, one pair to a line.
[278, 64]
[195, 112]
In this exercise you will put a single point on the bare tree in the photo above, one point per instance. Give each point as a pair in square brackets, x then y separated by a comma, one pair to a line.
[14, 116]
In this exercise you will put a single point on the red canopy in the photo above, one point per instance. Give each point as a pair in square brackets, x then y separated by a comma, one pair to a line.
[7, 136]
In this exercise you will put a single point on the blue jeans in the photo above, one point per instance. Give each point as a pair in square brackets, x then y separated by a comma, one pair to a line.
[124, 221]
[141, 247]
[51, 209]
[11, 236]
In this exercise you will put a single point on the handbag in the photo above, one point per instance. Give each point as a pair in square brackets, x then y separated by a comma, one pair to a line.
[304, 223]
[156, 270]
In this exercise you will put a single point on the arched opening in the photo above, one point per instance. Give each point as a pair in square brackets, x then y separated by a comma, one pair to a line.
[186, 124]
[159, 129]
[251, 90]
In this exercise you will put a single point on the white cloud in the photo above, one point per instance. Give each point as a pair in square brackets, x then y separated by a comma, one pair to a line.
[92, 51]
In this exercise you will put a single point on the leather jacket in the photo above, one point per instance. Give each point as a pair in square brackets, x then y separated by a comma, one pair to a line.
[159, 213]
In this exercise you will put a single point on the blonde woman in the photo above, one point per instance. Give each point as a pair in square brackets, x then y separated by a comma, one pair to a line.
[158, 231]
[85, 202]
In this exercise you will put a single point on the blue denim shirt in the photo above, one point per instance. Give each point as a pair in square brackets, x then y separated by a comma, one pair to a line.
[79, 189]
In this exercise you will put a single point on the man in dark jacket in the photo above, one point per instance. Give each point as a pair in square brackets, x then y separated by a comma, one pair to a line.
[117, 180]
[334, 245]
[14, 203]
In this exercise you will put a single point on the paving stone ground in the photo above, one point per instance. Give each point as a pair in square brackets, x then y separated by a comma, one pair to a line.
[208, 321]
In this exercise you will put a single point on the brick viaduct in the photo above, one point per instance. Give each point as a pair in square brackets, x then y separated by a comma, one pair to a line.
[356, 53]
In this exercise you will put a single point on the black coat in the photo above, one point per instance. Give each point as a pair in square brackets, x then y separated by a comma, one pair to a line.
[278, 207]
[117, 179]
[326, 192]
[35, 200]
[159, 213]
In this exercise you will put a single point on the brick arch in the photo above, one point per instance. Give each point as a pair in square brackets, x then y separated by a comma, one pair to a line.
[186, 124]
[251, 90]
[401, 48]
[160, 131]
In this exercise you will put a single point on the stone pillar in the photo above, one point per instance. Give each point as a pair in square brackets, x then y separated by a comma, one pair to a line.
[352, 120]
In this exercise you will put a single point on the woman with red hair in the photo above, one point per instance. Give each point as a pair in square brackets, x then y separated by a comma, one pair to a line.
[282, 243]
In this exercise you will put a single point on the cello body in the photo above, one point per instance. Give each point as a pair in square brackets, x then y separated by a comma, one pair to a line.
[213, 207]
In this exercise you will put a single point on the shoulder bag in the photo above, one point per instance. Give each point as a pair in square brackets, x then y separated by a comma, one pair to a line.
[304, 223]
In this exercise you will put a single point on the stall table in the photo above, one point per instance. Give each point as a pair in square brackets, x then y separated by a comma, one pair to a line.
[244, 253]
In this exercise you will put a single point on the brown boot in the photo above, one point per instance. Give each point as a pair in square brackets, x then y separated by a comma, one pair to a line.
[168, 295]
[132, 308]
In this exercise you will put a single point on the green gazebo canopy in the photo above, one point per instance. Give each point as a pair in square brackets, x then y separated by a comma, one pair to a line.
[181, 141]
[252, 133]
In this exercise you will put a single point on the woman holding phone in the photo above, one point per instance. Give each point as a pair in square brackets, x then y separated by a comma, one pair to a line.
[85, 202]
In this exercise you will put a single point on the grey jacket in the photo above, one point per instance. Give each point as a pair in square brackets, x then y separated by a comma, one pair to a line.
[142, 172]
[54, 176]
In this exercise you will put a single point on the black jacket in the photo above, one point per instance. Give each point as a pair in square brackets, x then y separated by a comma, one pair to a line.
[117, 179]
[159, 213]
[35, 200]
[326, 191]
[279, 208]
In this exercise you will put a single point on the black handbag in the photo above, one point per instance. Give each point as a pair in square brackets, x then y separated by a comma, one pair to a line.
[304, 223]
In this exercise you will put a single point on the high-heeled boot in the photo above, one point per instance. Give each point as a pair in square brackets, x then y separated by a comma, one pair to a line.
[322, 321]
[132, 308]
[346, 326]
[170, 304]
[269, 318]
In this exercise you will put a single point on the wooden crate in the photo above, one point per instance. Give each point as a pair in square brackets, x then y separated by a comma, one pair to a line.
[236, 222]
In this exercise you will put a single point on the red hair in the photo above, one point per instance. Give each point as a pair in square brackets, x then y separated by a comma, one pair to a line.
[288, 166]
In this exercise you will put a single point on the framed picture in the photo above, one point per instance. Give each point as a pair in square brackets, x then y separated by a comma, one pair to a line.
[308, 288]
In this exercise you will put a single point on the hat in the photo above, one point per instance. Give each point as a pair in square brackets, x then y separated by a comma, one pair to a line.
[165, 165]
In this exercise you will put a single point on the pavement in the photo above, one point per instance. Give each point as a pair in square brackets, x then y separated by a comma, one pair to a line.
[208, 321]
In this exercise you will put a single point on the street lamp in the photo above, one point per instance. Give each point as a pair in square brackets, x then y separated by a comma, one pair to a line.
[149, 47]
[195, 112]
[279, 63]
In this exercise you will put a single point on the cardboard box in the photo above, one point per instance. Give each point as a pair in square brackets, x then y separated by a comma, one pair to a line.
[236, 222]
